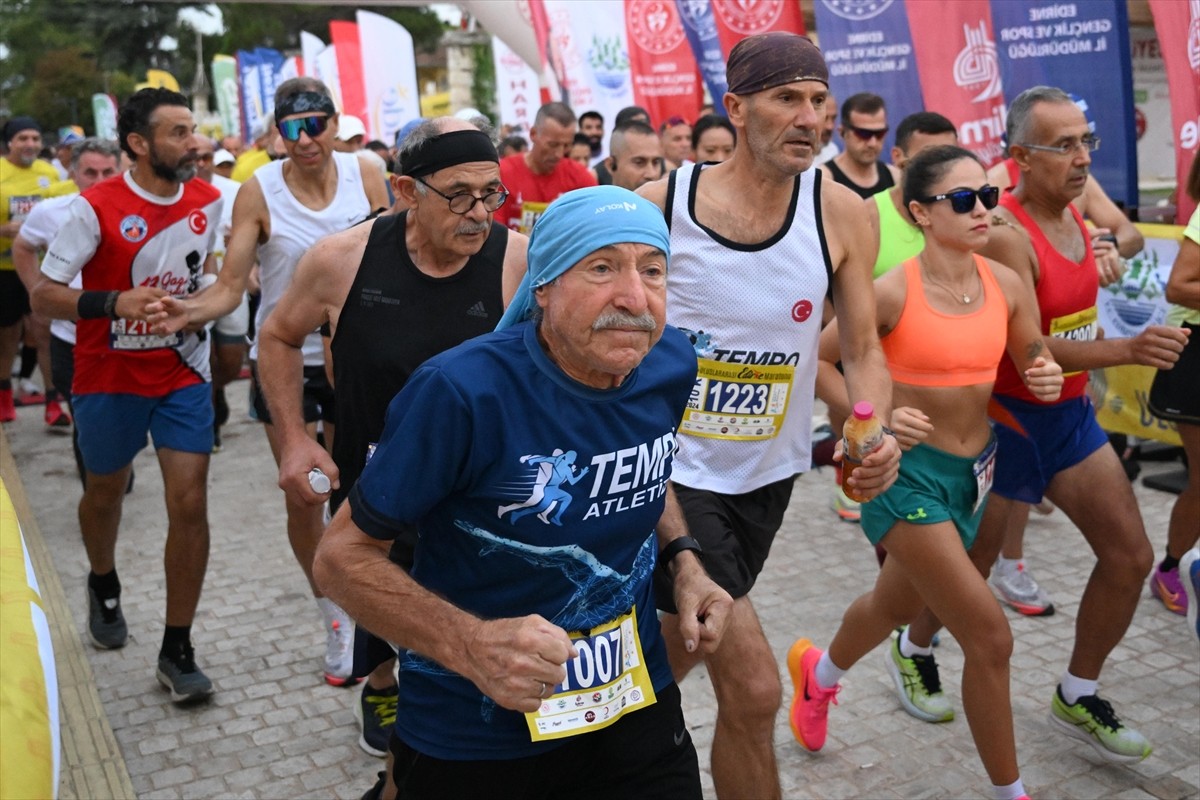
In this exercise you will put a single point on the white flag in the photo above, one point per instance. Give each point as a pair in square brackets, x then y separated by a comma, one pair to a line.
[517, 97]
[389, 75]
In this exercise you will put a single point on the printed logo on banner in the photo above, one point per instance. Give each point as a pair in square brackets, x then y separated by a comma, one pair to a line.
[856, 10]
[512, 62]
[652, 24]
[977, 64]
[749, 17]
[692, 12]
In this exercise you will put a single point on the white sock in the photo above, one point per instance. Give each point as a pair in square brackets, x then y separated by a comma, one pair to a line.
[908, 649]
[1008, 566]
[1074, 688]
[827, 673]
[1010, 792]
[330, 611]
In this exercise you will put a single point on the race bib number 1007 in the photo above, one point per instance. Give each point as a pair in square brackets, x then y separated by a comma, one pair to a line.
[607, 680]
[738, 401]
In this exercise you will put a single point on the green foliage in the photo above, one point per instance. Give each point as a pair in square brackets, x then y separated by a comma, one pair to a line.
[60, 52]
[483, 92]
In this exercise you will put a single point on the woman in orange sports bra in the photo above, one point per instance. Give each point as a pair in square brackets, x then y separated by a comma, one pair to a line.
[944, 320]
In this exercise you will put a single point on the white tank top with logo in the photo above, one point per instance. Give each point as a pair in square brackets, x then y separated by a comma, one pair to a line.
[753, 313]
[295, 228]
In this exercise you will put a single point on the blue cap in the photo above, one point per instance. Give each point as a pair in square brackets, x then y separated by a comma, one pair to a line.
[577, 224]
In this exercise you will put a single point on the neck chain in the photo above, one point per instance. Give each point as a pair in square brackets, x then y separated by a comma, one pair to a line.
[958, 294]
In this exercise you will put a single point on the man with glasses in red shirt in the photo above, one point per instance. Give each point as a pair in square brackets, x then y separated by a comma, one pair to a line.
[864, 128]
[280, 213]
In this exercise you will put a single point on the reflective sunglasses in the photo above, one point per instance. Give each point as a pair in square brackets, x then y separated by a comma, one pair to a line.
[290, 129]
[867, 134]
[962, 201]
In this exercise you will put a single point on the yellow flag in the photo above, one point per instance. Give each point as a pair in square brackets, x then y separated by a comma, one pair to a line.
[161, 79]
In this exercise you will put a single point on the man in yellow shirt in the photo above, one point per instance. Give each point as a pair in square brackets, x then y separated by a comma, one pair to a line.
[24, 181]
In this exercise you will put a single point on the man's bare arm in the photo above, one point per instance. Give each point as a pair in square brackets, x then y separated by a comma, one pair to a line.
[515, 264]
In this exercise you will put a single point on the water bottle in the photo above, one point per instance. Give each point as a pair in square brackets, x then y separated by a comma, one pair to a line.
[861, 436]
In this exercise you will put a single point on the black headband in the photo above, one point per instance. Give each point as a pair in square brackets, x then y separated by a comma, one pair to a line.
[304, 102]
[449, 150]
[18, 124]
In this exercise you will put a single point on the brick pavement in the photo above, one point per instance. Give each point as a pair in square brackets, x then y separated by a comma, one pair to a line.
[274, 729]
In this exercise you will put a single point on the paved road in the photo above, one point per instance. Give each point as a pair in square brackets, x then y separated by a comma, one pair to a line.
[274, 729]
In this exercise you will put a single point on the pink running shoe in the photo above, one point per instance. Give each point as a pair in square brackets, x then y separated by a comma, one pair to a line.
[1167, 587]
[809, 716]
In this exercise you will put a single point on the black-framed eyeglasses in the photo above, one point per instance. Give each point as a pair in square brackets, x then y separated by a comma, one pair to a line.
[314, 126]
[463, 202]
[1089, 143]
[867, 134]
[962, 201]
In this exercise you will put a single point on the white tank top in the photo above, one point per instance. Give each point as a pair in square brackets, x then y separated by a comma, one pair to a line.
[753, 313]
[295, 228]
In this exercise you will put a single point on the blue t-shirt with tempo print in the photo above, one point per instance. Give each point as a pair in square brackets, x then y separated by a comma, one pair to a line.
[533, 494]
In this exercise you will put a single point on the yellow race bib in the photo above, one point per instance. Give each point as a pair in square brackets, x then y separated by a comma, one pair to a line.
[738, 401]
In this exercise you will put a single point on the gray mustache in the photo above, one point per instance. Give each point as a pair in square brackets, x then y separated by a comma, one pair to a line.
[472, 228]
[619, 319]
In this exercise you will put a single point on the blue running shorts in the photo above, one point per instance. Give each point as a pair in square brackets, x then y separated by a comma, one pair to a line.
[113, 427]
[1036, 442]
[933, 486]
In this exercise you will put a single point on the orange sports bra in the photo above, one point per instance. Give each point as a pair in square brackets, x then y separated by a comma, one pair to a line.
[929, 348]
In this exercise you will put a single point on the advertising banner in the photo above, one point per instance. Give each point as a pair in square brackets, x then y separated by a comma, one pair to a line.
[225, 87]
[344, 36]
[389, 77]
[517, 97]
[593, 55]
[700, 27]
[737, 19]
[1178, 26]
[666, 81]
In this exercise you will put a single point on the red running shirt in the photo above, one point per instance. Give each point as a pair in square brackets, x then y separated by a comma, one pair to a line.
[529, 193]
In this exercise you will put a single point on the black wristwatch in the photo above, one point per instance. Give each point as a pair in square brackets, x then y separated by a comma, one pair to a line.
[677, 546]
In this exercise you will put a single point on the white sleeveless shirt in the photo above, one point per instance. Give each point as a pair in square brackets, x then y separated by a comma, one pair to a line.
[295, 228]
[753, 312]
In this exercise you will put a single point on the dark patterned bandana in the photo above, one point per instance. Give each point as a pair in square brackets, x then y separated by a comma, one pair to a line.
[767, 60]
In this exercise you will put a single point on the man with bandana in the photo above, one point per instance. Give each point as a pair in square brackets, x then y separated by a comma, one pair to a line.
[136, 239]
[759, 241]
[24, 181]
[282, 211]
[535, 660]
[393, 293]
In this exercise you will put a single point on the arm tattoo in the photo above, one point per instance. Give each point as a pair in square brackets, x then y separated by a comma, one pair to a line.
[1034, 349]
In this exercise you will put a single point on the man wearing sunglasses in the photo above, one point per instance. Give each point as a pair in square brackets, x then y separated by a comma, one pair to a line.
[1058, 450]
[864, 128]
[751, 267]
[282, 211]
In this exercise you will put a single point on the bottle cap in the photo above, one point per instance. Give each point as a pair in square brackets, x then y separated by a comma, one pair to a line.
[864, 410]
[319, 481]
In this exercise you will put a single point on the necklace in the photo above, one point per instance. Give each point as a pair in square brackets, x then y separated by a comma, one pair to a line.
[958, 294]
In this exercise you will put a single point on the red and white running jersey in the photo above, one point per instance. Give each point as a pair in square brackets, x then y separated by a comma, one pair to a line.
[120, 236]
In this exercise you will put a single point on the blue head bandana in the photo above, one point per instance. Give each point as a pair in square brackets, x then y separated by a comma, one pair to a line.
[577, 224]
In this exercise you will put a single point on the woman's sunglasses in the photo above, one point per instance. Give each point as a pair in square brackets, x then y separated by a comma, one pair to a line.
[314, 126]
[963, 200]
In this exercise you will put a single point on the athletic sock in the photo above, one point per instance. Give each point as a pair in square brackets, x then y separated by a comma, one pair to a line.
[28, 361]
[1010, 792]
[105, 586]
[1168, 563]
[827, 673]
[1007, 566]
[329, 610]
[174, 638]
[1074, 688]
[908, 649]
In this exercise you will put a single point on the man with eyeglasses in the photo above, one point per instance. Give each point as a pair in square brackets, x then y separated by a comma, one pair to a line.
[758, 242]
[1058, 450]
[538, 176]
[393, 293]
[864, 127]
[282, 211]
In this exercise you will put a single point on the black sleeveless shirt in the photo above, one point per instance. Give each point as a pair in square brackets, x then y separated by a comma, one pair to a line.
[396, 318]
[885, 180]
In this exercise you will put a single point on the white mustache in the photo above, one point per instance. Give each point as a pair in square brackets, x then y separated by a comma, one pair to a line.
[619, 319]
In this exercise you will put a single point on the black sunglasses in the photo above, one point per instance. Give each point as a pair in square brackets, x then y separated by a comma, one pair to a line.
[963, 200]
[867, 134]
[314, 126]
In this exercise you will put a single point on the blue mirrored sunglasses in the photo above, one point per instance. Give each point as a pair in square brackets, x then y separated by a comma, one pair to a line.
[314, 126]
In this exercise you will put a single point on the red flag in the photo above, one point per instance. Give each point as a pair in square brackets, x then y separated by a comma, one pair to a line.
[1178, 26]
[549, 81]
[344, 36]
[666, 80]
[955, 49]
[737, 19]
